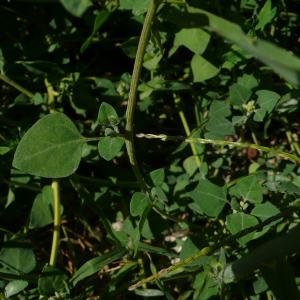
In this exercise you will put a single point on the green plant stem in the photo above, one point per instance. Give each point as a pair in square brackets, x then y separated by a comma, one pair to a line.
[222, 143]
[294, 145]
[188, 133]
[132, 100]
[16, 86]
[51, 95]
[211, 249]
[23, 185]
[57, 222]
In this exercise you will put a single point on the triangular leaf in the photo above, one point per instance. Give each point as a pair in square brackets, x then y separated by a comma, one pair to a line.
[50, 148]
[138, 203]
[76, 7]
[109, 147]
[248, 189]
[209, 197]
[240, 221]
[202, 69]
[107, 115]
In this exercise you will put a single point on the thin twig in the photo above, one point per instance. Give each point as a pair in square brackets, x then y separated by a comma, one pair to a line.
[164, 137]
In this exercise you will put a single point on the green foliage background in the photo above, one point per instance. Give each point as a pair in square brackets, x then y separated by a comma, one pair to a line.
[214, 213]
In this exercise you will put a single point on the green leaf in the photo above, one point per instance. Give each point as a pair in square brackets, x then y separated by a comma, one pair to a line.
[100, 19]
[14, 287]
[238, 94]
[265, 15]
[109, 147]
[248, 189]
[267, 101]
[265, 210]
[209, 197]
[219, 109]
[38, 99]
[51, 148]
[76, 7]
[138, 203]
[190, 165]
[95, 264]
[130, 46]
[138, 7]
[195, 39]
[4, 150]
[51, 280]
[205, 285]
[248, 81]
[219, 128]
[42, 209]
[189, 248]
[17, 257]
[240, 221]
[148, 292]
[281, 61]
[151, 61]
[260, 285]
[202, 69]
[107, 116]
[157, 177]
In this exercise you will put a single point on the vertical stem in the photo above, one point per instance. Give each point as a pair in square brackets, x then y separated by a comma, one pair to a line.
[55, 188]
[57, 221]
[188, 133]
[133, 91]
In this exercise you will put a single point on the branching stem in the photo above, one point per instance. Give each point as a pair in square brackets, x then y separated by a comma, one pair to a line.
[188, 133]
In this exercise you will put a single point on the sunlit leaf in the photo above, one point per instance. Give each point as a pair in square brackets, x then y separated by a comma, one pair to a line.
[202, 69]
[109, 147]
[50, 148]
[209, 197]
